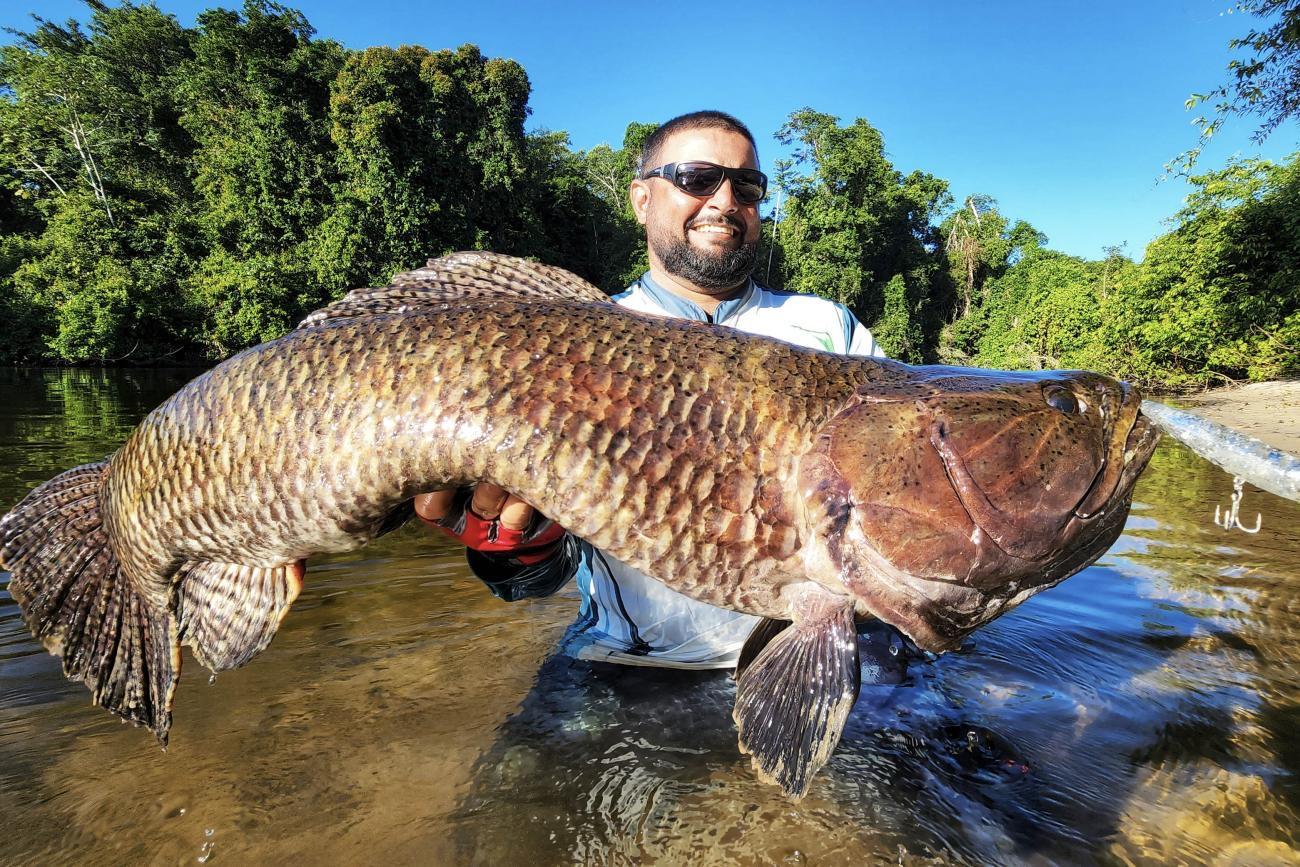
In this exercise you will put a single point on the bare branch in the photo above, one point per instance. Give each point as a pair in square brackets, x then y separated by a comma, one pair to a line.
[129, 353]
[608, 182]
[40, 168]
[78, 132]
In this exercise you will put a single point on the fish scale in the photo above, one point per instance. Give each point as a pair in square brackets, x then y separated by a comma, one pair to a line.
[387, 428]
[800, 486]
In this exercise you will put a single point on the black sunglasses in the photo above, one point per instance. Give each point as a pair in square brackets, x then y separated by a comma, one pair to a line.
[698, 178]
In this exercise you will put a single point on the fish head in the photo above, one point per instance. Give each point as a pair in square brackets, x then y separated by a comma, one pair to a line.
[949, 496]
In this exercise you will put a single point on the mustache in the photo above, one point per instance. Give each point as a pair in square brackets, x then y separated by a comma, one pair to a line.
[721, 220]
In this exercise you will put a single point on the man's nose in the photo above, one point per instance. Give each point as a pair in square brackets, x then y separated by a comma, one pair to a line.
[724, 198]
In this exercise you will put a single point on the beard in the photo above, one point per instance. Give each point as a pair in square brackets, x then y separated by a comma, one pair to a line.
[708, 271]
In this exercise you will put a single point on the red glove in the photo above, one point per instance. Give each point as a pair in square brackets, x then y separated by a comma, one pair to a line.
[491, 537]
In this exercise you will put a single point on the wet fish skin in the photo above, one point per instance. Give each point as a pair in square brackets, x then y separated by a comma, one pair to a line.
[655, 441]
[742, 471]
[1027, 494]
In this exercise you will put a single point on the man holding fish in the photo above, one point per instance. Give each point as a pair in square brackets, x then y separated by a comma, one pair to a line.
[811, 488]
[697, 193]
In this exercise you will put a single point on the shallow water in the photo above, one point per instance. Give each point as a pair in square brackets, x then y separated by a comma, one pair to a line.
[1147, 711]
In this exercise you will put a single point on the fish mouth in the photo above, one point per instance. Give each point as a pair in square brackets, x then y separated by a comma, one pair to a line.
[1125, 460]
[1143, 437]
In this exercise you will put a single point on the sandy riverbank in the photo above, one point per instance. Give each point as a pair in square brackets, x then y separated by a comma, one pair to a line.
[1269, 411]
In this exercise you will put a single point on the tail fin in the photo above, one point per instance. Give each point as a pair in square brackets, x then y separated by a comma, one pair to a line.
[81, 605]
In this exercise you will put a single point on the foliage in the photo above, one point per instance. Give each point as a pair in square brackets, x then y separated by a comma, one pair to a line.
[170, 190]
[1042, 313]
[254, 96]
[95, 163]
[430, 154]
[584, 220]
[1264, 81]
[1218, 298]
[856, 230]
[24, 320]
[981, 244]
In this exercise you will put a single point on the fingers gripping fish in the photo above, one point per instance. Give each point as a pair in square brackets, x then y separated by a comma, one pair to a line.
[807, 488]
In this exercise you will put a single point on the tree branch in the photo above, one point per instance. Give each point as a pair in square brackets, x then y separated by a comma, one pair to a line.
[40, 168]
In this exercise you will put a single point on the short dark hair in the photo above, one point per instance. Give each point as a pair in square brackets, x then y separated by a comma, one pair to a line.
[706, 119]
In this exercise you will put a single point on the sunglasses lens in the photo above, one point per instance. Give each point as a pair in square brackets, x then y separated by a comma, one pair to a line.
[704, 179]
[749, 186]
[699, 180]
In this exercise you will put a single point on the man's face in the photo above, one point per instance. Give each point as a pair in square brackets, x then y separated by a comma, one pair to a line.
[710, 242]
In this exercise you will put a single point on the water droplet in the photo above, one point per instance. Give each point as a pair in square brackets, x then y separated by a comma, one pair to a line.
[212, 678]
[893, 650]
[208, 832]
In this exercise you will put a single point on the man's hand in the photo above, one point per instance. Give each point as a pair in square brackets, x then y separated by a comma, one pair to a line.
[489, 502]
[494, 522]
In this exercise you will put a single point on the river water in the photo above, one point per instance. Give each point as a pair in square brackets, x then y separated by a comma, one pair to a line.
[1146, 711]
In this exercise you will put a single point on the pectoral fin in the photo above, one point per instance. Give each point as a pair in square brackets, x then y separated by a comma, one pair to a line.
[793, 699]
[762, 635]
[229, 613]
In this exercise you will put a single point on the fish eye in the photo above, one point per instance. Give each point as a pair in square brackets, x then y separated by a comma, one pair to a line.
[1064, 400]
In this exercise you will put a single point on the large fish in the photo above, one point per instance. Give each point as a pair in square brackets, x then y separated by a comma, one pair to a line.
[808, 488]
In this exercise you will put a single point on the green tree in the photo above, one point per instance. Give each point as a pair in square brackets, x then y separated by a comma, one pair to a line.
[981, 244]
[431, 153]
[87, 120]
[1263, 80]
[858, 231]
[255, 97]
[1218, 298]
[581, 217]
[609, 174]
[1043, 312]
[164, 188]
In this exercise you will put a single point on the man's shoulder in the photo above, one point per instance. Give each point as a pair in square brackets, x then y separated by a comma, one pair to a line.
[807, 320]
[797, 317]
[788, 300]
[643, 299]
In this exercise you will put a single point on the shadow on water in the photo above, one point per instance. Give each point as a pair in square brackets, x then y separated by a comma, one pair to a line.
[1141, 713]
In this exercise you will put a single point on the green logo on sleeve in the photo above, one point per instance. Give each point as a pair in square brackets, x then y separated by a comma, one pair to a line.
[823, 338]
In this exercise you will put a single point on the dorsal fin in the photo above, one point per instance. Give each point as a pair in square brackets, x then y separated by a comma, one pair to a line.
[461, 277]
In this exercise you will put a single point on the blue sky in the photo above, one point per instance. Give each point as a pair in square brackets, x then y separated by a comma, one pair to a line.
[1064, 112]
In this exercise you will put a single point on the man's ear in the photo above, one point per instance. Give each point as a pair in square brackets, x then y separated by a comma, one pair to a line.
[639, 193]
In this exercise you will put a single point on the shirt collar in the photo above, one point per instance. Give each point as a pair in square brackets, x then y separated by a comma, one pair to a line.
[679, 307]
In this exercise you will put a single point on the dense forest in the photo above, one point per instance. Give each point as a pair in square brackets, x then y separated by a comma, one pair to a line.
[172, 193]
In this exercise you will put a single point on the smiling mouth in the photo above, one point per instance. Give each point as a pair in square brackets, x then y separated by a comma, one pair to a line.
[719, 230]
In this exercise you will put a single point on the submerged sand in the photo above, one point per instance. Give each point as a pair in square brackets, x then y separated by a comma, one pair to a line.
[1268, 411]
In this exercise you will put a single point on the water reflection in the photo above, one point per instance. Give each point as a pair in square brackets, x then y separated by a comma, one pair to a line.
[1144, 712]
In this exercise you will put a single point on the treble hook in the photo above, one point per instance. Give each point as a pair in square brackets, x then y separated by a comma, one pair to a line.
[1230, 517]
